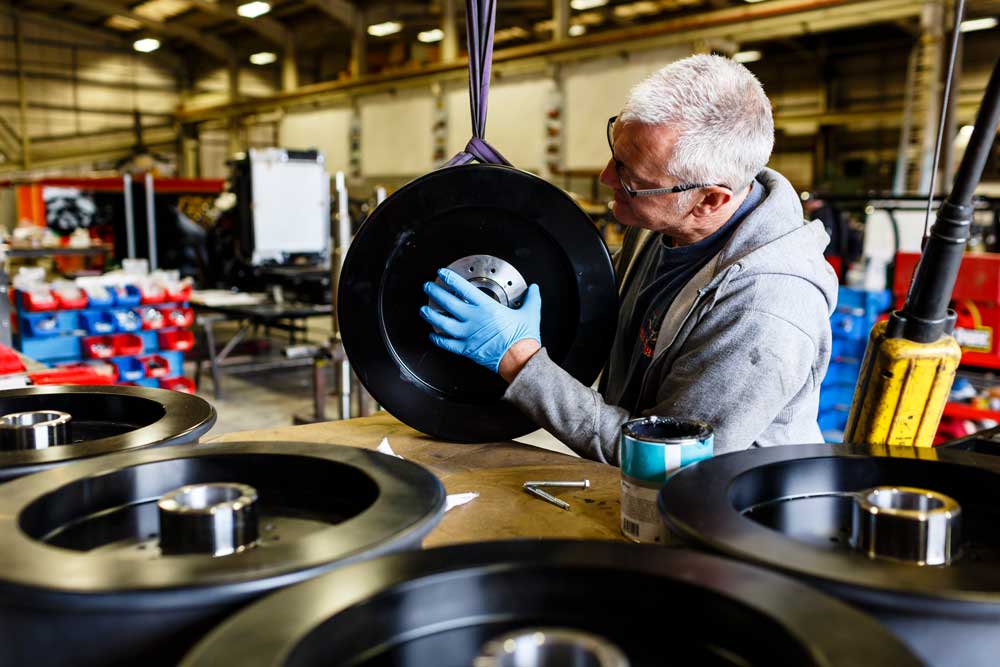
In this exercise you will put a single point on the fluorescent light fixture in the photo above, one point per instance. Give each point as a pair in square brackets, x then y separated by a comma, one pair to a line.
[747, 56]
[146, 44]
[252, 10]
[973, 25]
[577, 30]
[383, 29]
[431, 36]
[263, 57]
[583, 5]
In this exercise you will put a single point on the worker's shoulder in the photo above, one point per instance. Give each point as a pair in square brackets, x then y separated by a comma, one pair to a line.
[804, 302]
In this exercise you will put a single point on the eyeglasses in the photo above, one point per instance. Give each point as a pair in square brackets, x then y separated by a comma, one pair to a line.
[632, 192]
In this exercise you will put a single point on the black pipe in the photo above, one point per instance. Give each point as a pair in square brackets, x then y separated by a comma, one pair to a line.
[925, 316]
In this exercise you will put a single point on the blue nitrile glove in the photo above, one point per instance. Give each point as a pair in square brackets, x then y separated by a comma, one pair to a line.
[475, 325]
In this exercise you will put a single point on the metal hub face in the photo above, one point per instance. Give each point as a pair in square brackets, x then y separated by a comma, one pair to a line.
[551, 647]
[36, 429]
[800, 509]
[155, 543]
[215, 519]
[492, 218]
[537, 603]
[906, 524]
[99, 420]
[493, 276]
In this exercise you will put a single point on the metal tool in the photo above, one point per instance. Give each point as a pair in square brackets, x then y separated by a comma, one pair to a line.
[582, 484]
[547, 497]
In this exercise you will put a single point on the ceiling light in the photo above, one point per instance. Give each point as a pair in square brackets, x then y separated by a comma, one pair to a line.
[123, 23]
[252, 10]
[383, 29]
[973, 25]
[431, 36]
[507, 34]
[146, 44]
[754, 1]
[263, 57]
[577, 30]
[581, 5]
[747, 56]
[634, 9]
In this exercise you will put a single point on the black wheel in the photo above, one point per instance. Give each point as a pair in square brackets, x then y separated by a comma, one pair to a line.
[465, 605]
[456, 214]
[805, 510]
[101, 420]
[129, 558]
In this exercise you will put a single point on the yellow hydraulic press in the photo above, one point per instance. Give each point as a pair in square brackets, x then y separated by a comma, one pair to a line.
[911, 359]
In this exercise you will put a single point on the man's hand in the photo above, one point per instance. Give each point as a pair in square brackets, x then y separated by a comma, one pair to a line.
[477, 327]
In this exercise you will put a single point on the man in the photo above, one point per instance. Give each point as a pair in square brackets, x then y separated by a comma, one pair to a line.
[725, 298]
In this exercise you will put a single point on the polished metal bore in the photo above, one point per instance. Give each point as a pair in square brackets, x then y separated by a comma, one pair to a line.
[493, 276]
[907, 524]
[550, 647]
[215, 519]
[37, 429]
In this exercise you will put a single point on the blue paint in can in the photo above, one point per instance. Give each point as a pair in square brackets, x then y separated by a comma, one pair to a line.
[652, 449]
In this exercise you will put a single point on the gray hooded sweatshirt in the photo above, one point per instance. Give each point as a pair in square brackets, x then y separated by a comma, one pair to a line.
[744, 346]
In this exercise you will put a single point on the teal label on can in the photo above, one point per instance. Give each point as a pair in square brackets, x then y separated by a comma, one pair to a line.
[652, 449]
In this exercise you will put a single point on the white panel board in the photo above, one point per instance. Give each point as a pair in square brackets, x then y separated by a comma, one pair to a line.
[596, 90]
[291, 206]
[396, 133]
[327, 130]
[515, 124]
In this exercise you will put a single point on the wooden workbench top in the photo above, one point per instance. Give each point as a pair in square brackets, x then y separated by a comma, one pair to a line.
[503, 509]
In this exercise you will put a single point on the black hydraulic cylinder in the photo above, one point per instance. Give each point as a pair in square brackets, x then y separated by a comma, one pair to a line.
[925, 316]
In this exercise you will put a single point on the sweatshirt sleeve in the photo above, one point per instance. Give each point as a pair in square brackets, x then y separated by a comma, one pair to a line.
[563, 406]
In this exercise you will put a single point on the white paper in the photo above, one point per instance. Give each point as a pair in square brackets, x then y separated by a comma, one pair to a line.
[456, 499]
[384, 448]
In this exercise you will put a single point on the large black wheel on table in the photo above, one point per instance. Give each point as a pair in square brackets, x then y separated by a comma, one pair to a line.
[128, 559]
[491, 221]
[807, 511]
[41, 427]
[556, 602]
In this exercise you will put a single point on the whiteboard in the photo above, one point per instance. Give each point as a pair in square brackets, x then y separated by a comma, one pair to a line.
[396, 137]
[594, 91]
[515, 122]
[326, 130]
[291, 206]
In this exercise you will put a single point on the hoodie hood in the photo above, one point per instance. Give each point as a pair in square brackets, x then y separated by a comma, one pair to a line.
[774, 239]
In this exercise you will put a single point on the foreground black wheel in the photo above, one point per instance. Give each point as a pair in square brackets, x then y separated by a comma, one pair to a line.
[504, 228]
[41, 427]
[907, 534]
[549, 603]
[128, 559]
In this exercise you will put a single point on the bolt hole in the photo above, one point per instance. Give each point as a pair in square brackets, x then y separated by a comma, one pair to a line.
[493, 270]
[510, 284]
[472, 269]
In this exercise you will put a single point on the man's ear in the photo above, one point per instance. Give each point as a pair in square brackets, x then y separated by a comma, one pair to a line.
[713, 199]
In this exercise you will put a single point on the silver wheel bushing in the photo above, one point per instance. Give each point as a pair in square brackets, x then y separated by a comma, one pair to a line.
[550, 647]
[907, 524]
[494, 277]
[214, 519]
[37, 429]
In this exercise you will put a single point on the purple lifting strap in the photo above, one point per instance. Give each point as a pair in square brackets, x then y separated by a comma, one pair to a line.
[481, 16]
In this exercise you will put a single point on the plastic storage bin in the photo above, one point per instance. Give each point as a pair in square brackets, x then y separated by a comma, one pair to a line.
[178, 339]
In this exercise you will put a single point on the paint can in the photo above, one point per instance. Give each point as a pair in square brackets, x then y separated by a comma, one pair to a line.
[652, 449]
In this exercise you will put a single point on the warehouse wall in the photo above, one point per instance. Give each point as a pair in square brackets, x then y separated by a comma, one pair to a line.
[78, 88]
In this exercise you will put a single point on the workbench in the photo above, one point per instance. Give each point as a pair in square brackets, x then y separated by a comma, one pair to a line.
[496, 471]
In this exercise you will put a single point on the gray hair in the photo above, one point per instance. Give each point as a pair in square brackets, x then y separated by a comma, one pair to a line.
[722, 116]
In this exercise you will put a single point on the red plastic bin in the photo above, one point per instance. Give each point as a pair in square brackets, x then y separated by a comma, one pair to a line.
[38, 300]
[179, 317]
[178, 384]
[99, 366]
[127, 344]
[98, 347]
[155, 365]
[180, 339]
[178, 292]
[152, 318]
[71, 299]
[77, 375]
[10, 362]
[152, 294]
